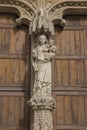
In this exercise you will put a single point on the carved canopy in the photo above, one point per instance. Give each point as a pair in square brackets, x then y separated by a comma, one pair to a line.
[64, 7]
[26, 11]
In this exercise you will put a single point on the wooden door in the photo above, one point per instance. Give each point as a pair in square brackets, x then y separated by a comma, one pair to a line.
[70, 75]
[14, 74]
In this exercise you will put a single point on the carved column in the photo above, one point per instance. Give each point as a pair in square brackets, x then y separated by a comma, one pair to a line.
[43, 52]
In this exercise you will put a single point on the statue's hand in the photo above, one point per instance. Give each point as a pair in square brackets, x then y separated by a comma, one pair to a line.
[47, 57]
[52, 56]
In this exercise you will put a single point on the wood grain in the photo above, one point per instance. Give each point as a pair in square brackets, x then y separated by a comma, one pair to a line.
[14, 50]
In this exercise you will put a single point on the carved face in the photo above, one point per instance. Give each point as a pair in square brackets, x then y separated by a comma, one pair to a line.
[51, 41]
[42, 39]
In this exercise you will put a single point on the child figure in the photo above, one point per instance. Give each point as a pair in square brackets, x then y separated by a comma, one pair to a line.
[50, 50]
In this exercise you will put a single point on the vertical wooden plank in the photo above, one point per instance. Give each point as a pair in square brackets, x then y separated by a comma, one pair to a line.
[18, 42]
[9, 71]
[58, 41]
[22, 71]
[85, 72]
[81, 112]
[0, 73]
[81, 72]
[22, 112]
[60, 110]
[7, 41]
[85, 109]
[3, 41]
[65, 43]
[65, 72]
[26, 112]
[5, 110]
[73, 74]
[1, 77]
[23, 41]
[74, 108]
[3, 73]
[82, 43]
[71, 42]
[1, 110]
[17, 112]
[16, 71]
[11, 110]
[58, 72]
[77, 42]
[12, 41]
[0, 40]
[67, 111]
[85, 41]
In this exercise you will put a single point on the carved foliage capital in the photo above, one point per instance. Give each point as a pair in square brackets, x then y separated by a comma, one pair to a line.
[42, 103]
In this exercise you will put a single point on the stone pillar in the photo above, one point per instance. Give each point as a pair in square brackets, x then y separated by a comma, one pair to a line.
[43, 52]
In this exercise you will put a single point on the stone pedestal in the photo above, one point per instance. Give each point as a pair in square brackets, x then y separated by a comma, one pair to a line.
[42, 113]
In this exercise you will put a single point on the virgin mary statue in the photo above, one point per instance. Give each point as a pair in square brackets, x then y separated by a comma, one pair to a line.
[42, 57]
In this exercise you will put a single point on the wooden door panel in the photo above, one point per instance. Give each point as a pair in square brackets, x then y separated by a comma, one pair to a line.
[70, 111]
[14, 111]
[70, 75]
[14, 74]
[70, 43]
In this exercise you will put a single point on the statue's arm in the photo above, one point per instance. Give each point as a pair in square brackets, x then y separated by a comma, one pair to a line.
[38, 56]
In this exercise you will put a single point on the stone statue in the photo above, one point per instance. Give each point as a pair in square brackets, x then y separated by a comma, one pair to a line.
[42, 57]
[43, 52]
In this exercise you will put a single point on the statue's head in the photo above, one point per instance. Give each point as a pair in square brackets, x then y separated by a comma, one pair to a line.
[42, 39]
[51, 41]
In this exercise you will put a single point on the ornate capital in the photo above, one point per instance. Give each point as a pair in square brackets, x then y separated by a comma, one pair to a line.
[43, 103]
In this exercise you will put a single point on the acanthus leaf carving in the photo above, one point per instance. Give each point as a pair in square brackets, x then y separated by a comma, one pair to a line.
[42, 103]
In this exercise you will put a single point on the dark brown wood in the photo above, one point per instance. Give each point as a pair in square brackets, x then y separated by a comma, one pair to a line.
[14, 74]
[69, 75]
[71, 127]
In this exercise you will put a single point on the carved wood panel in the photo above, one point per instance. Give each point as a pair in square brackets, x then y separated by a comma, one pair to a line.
[70, 75]
[14, 74]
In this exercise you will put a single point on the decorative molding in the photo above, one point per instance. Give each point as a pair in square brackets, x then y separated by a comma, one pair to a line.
[25, 11]
[64, 7]
[43, 103]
